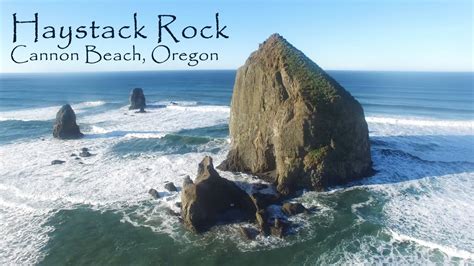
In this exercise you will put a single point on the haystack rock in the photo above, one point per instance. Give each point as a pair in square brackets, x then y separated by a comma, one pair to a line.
[65, 126]
[293, 124]
[211, 199]
[137, 100]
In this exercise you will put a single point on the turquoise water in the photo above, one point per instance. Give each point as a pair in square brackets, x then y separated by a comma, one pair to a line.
[96, 210]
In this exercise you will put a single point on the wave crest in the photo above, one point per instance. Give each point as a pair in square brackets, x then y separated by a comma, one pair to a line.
[420, 122]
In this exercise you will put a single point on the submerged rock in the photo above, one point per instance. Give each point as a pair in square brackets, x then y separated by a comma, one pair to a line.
[279, 228]
[211, 197]
[170, 187]
[261, 218]
[293, 208]
[247, 233]
[85, 153]
[53, 162]
[293, 124]
[154, 193]
[137, 100]
[65, 126]
[172, 213]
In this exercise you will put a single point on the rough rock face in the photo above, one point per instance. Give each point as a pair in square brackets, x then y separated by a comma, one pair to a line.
[212, 197]
[292, 123]
[137, 100]
[293, 208]
[154, 193]
[170, 187]
[65, 126]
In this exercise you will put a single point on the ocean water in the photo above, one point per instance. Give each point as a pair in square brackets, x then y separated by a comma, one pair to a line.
[417, 209]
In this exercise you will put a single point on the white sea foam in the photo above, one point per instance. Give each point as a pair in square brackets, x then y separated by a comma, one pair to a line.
[103, 181]
[453, 252]
[418, 126]
[31, 189]
[374, 250]
[179, 103]
[45, 113]
[428, 202]
[89, 104]
[42, 114]
[428, 199]
[205, 109]
[438, 207]
[97, 130]
[420, 122]
[425, 172]
[433, 140]
[145, 135]
[157, 120]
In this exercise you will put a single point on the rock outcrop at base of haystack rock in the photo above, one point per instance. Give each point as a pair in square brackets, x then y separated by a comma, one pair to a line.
[212, 199]
[137, 100]
[65, 126]
[292, 123]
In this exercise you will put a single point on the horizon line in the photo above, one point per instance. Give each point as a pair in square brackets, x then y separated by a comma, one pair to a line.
[228, 69]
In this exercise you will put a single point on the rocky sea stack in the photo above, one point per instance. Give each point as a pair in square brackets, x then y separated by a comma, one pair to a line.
[65, 126]
[211, 199]
[137, 100]
[293, 124]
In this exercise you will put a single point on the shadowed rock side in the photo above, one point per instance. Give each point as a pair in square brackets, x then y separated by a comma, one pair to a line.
[213, 199]
[137, 100]
[293, 124]
[65, 126]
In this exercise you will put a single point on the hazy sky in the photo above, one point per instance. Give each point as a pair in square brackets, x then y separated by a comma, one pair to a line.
[351, 35]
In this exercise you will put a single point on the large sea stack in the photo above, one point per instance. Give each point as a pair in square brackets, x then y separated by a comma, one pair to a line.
[65, 126]
[292, 123]
[211, 199]
[137, 99]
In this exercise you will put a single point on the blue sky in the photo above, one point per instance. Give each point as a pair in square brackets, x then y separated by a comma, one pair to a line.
[399, 35]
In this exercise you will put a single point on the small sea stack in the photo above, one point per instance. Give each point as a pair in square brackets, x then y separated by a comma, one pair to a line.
[137, 100]
[65, 126]
[212, 198]
[293, 124]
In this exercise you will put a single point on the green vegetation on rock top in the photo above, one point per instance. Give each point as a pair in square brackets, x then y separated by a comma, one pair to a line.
[314, 81]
